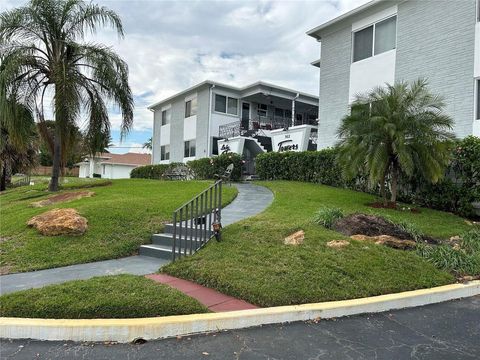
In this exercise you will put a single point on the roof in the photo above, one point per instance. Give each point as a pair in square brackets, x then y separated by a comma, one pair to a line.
[240, 89]
[134, 159]
[315, 32]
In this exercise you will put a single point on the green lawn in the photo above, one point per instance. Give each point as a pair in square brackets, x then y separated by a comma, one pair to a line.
[120, 296]
[121, 216]
[253, 264]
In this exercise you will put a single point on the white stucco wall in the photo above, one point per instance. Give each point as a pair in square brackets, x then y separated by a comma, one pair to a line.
[372, 72]
[117, 171]
[83, 171]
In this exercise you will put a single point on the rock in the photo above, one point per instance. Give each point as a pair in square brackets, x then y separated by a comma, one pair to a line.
[70, 196]
[59, 222]
[295, 239]
[386, 240]
[338, 244]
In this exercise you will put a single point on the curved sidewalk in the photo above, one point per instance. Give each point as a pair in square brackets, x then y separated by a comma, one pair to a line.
[251, 200]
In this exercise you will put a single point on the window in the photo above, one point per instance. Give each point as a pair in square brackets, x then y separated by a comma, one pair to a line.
[478, 100]
[262, 110]
[189, 149]
[166, 114]
[232, 106]
[375, 39]
[385, 35]
[220, 103]
[363, 44]
[226, 104]
[165, 152]
[279, 112]
[191, 107]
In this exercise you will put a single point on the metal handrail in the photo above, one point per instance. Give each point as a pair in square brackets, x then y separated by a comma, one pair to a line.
[200, 220]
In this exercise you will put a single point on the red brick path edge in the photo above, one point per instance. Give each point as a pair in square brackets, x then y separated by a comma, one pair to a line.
[212, 299]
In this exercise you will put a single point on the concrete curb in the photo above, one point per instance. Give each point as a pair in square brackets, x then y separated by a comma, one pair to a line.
[126, 330]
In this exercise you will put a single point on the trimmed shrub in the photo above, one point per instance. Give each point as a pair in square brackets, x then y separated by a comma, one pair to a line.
[310, 166]
[207, 168]
[455, 193]
[152, 171]
[327, 216]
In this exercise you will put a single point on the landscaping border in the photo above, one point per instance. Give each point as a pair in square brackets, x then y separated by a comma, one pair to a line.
[127, 330]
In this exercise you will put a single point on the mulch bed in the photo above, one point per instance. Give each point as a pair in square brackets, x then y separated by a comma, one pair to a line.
[63, 198]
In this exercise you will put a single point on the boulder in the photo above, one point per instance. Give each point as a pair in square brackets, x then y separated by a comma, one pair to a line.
[295, 239]
[338, 244]
[59, 222]
[386, 240]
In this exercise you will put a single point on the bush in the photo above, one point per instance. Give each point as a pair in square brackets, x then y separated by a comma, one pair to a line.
[207, 168]
[311, 166]
[445, 257]
[328, 216]
[152, 171]
[455, 193]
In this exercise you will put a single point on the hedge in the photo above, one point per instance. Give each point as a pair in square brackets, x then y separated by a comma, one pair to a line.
[459, 188]
[151, 171]
[207, 168]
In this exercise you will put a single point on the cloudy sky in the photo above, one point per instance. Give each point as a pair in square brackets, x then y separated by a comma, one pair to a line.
[172, 45]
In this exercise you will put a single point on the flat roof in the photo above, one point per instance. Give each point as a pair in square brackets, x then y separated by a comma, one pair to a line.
[240, 89]
[314, 32]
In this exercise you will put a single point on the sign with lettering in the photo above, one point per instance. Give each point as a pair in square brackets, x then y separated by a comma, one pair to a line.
[294, 138]
[233, 145]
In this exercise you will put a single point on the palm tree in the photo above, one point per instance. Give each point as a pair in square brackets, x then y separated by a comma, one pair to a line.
[148, 144]
[45, 57]
[393, 130]
[18, 145]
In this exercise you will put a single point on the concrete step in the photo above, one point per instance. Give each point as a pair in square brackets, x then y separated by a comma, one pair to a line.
[167, 240]
[189, 231]
[157, 251]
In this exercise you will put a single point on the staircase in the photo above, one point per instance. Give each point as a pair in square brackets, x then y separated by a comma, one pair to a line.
[162, 244]
[191, 228]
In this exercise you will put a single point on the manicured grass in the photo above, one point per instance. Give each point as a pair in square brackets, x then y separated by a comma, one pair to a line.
[121, 216]
[120, 296]
[252, 262]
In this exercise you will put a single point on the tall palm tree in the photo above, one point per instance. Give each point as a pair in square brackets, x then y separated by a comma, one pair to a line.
[45, 56]
[396, 129]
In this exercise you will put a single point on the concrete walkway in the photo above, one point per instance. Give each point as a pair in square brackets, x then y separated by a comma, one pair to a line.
[215, 301]
[449, 330]
[251, 200]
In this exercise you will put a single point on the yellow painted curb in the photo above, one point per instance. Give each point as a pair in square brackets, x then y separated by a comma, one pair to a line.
[126, 330]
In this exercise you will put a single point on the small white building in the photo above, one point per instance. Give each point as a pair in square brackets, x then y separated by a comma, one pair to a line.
[112, 166]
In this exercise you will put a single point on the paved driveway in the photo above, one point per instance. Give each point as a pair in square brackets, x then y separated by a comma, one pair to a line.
[442, 331]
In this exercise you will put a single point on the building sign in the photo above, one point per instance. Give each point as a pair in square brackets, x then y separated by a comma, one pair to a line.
[232, 145]
[295, 138]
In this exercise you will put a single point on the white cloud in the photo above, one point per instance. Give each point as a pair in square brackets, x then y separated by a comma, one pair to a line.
[171, 45]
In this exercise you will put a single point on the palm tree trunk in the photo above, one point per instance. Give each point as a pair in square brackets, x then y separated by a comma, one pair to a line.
[3, 181]
[57, 148]
[393, 198]
[382, 189]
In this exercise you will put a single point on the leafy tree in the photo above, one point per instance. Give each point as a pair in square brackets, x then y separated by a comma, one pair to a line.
[45, 56]
[395, 129]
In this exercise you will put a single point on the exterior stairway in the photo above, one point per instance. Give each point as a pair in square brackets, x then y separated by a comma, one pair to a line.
[162, 244]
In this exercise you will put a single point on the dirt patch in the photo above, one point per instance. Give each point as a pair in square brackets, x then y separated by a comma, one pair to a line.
[65, 197]
[6, 269]
[369, 225]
